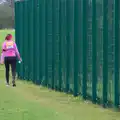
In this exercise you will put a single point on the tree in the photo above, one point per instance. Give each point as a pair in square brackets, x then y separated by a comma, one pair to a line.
[6, 13]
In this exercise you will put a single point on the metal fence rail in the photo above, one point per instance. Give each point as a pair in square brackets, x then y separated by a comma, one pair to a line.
[71, 46]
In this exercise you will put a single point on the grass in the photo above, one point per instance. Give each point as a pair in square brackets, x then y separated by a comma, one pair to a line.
[30, 102]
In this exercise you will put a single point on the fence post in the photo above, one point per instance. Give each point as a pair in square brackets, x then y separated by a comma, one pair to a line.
[116, 67]
[63, 43]
[60, 46]
[84, 34]
[94, 52]
[37, 44]
[42, 18]
[21, 35]
[46, 44]
[32, 40]
[17, 31]
[76, 45]
[29, 38]
[25, 39]
[105, 51]
[53, 45]
[67, 47]
[40, 41]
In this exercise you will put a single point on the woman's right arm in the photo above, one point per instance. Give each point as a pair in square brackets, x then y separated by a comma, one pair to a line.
[17, 52]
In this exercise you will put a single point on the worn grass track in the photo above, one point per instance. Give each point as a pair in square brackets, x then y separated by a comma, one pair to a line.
[30, 102]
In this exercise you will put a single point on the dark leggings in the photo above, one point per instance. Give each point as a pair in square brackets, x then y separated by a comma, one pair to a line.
[10, 61]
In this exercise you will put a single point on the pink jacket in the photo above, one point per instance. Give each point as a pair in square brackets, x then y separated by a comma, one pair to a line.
[9, 49]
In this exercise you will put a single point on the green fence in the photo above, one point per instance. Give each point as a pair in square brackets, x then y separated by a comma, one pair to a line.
[71, 46]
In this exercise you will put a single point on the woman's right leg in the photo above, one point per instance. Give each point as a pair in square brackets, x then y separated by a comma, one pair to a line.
[13, 65]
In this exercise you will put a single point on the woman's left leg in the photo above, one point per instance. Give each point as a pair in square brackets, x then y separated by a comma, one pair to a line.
[7, 62]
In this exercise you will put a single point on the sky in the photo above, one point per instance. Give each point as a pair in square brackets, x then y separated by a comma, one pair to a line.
[2, 1]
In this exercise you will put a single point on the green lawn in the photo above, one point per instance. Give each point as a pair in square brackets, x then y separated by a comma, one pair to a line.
[30, 102]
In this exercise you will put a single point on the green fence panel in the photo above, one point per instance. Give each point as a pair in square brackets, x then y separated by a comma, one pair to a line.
[39, 43]
[36, 44]
[29, 40]
[105, 51]
[77, 46]
[62, 26]
[42, 38]
[54, 46]
[21, 38]
[33, 43]
[60, 48]
[111, 50]
[117, 43]
[94, 53]
[68, 60]
[84, 57]
[70, 42]
[24, 40]
[71, 46]
[89, 48]
[46, 45]
[58, 45]
[56, 42]
[99, 46]
[49, 37]
[17, 27]
[67, 48]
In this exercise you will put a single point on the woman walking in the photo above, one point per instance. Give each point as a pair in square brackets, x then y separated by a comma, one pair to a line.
[9, 57]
